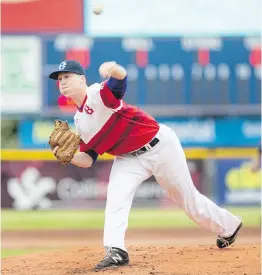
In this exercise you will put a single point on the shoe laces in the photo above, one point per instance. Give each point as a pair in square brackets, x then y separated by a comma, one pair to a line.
[109, 252]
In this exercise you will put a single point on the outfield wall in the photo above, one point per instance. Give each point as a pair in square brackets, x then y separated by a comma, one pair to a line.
[33, 179]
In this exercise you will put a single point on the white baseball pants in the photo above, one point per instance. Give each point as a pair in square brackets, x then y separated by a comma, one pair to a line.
[167, 162]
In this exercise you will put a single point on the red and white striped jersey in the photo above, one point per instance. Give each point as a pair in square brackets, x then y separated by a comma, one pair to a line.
[108, 124]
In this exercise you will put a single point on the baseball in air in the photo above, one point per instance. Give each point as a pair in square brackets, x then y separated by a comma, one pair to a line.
[98, 9]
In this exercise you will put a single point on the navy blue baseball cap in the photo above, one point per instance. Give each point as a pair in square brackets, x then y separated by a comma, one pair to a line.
[68, 66]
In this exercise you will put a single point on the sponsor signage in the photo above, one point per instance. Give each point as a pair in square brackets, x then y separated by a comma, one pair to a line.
[47, 184]
[237, 183]
[210, 132]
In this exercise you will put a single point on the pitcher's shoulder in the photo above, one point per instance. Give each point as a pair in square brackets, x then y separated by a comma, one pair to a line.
[96, 87]
[94, 93]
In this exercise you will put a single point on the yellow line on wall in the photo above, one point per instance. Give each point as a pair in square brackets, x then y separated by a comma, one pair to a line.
[191, 153]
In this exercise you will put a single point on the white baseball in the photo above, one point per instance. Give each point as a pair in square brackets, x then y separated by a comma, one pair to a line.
[98, 9]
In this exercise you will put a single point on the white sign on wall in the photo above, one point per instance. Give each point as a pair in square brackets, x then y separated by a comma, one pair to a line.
[173, 17]
[21, 83]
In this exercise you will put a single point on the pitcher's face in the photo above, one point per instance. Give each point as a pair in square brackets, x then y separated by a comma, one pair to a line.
[70, 84]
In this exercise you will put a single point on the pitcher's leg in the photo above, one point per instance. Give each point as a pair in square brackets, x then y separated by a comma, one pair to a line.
[126, 175]
[174, 176]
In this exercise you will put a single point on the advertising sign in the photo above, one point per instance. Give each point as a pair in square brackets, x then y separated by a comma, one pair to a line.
[227, 132]
[237, 184]
[47, 184]
[21, 75]
[210, 132]
[35, 134]
[41, 16]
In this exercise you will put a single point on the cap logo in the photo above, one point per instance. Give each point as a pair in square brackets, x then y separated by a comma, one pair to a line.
[62, 66]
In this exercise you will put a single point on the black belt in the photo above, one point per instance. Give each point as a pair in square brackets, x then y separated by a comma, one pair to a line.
[145, 148]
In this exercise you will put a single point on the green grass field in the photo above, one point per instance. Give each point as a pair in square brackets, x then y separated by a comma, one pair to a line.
[16, 252]
[139, 218]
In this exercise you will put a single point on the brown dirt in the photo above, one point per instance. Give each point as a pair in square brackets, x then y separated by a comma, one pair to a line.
[152, 252]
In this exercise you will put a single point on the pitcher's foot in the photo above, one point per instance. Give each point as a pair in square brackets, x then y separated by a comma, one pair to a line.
[223, 242]
[114, 257]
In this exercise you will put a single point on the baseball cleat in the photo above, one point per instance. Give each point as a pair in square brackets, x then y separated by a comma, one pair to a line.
[114, 257]
[223, 242]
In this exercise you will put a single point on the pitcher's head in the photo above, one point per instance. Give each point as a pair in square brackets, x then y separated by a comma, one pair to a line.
[71, 78]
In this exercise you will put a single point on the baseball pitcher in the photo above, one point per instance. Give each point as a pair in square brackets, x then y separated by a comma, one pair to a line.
[142, 147]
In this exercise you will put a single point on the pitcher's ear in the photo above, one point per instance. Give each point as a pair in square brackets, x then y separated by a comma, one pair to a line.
[83, 78]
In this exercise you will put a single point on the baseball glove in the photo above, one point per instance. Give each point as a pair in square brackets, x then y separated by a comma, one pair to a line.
[66, 140]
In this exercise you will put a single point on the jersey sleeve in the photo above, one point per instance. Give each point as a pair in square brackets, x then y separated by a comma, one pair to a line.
[83, 147]
[112, 91]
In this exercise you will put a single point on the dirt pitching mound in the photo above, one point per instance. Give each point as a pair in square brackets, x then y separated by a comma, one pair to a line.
[152, 260]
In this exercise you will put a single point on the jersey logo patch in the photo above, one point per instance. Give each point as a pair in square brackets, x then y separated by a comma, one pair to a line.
[88, 110]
